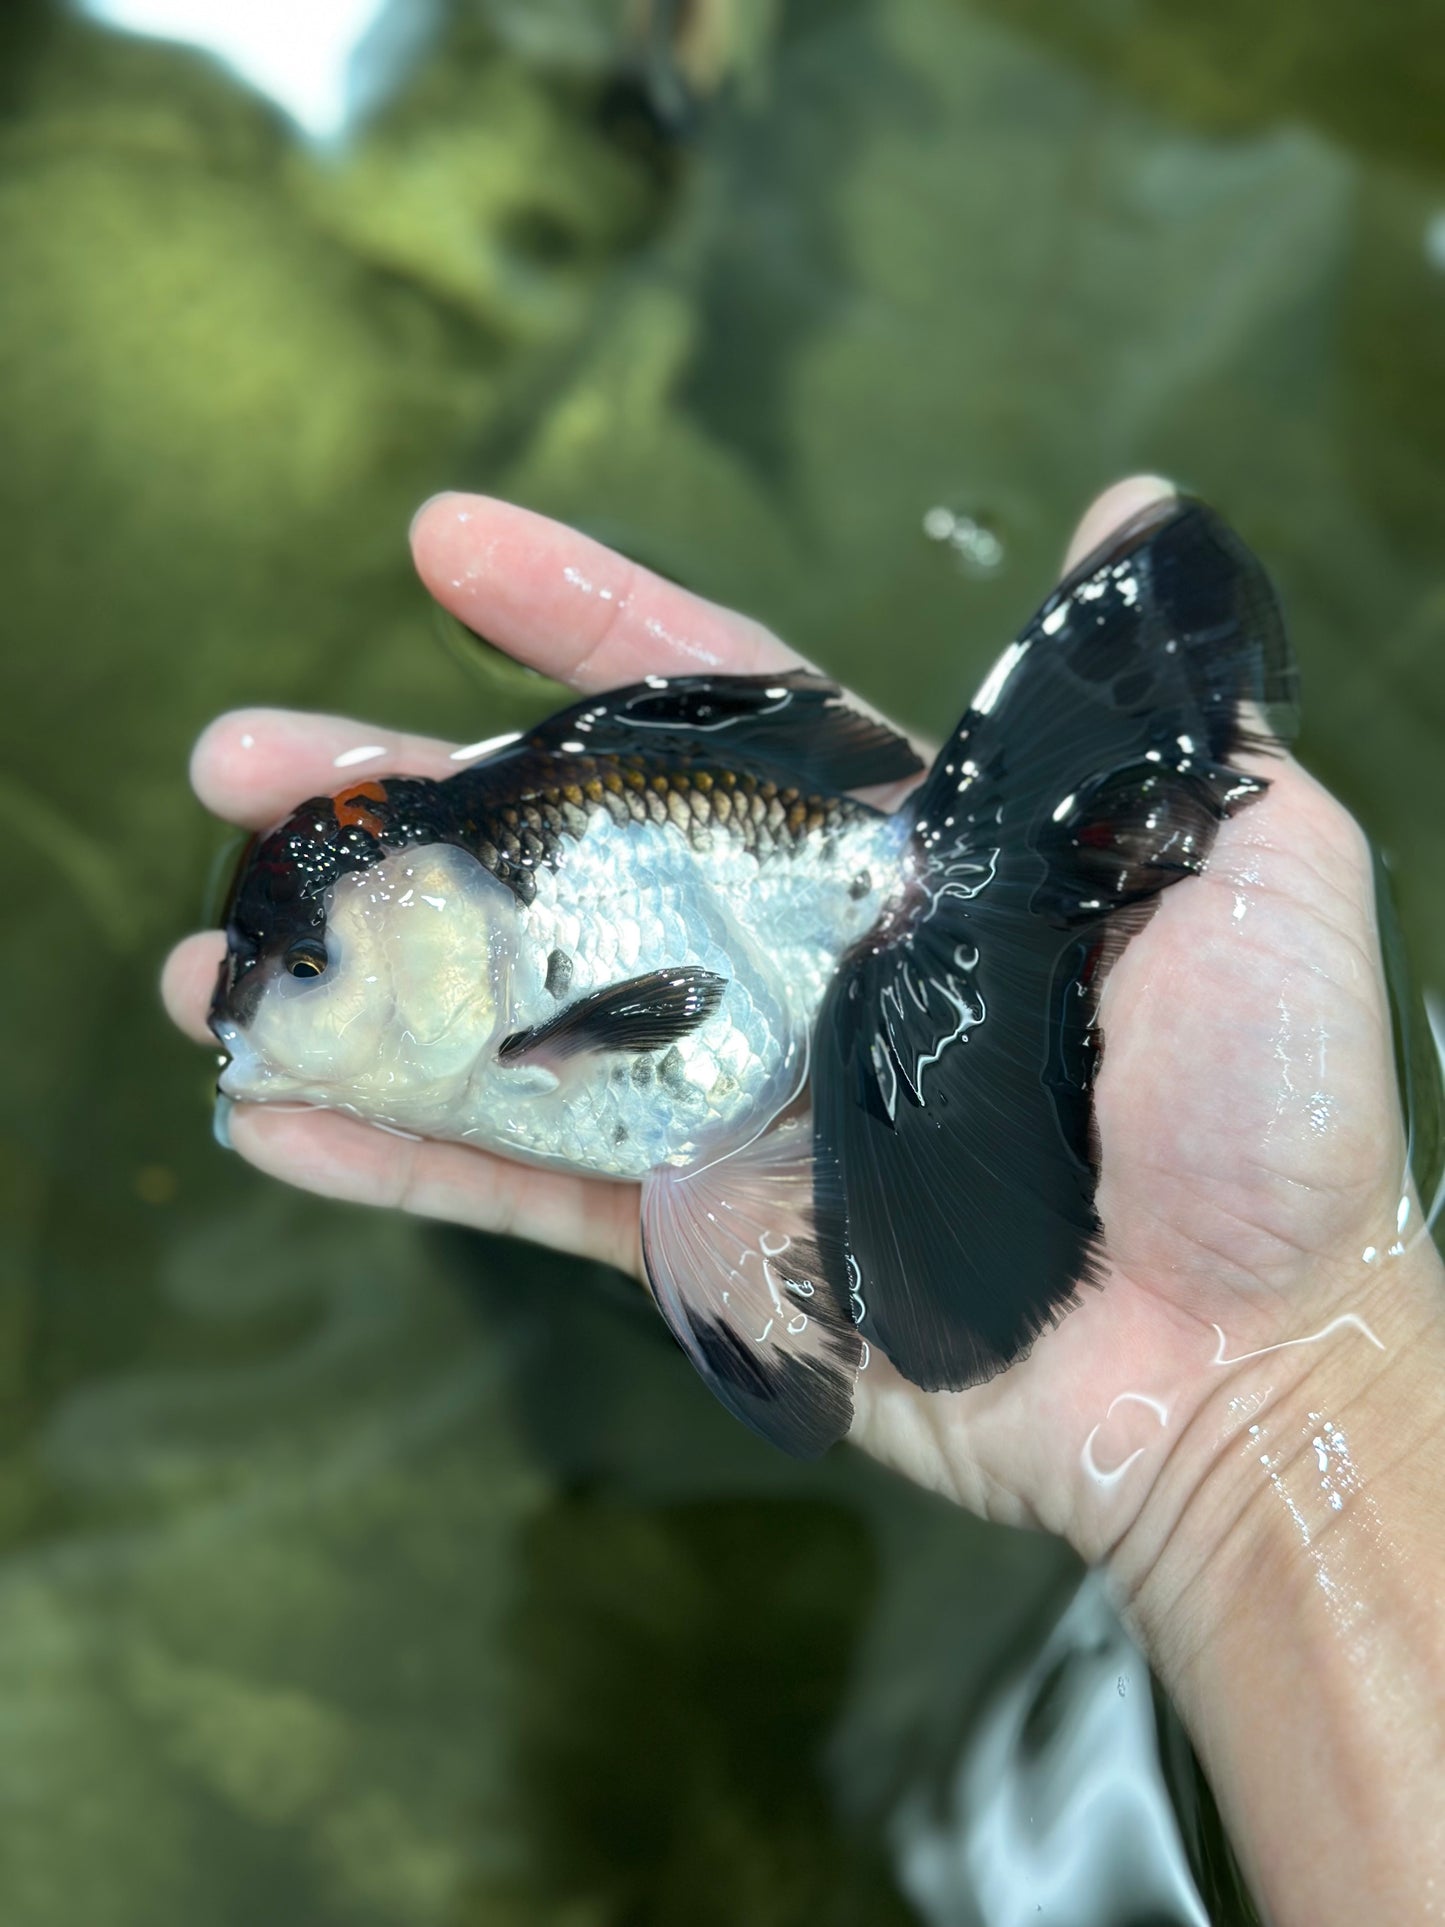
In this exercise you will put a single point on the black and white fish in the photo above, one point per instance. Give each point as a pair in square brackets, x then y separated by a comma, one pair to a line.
[849, 1053]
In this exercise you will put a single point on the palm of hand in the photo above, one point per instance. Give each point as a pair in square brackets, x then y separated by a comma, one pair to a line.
[1248, 1123]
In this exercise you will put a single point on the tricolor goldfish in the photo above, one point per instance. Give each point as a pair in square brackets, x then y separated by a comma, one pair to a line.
[849, 1052]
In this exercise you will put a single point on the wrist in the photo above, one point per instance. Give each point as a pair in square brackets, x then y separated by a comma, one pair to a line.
[1289, 1594]
[1282, 1457]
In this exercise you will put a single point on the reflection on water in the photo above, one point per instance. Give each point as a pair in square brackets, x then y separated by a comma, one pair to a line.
[355, 1572]
[324, 64]
[688, 1645]
[1057, 1806]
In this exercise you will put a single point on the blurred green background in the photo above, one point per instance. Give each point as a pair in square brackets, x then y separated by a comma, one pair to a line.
[355, 1571]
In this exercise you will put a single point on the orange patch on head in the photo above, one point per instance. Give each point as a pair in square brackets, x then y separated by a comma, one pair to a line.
[351, 810]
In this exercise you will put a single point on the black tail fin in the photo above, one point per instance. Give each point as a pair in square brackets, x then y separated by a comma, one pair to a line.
[954, 1061]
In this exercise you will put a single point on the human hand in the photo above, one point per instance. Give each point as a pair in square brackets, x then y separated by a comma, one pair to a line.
[1251, 1145]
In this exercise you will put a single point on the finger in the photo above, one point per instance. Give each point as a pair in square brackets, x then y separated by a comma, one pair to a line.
[187, 981]
[1111, 510]
[252, 766]
[340, 1157]
[572, 608]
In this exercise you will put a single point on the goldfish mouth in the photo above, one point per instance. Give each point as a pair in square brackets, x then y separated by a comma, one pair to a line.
[247, 1077]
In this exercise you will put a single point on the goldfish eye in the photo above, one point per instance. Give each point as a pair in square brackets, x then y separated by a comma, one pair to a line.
[306, 958]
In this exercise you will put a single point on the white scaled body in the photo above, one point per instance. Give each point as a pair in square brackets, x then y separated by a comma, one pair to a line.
[433, 963]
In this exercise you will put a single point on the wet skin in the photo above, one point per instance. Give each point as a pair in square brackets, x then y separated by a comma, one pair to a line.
[1252, 1150]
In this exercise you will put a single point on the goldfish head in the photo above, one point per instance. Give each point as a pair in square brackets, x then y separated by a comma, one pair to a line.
[358, 976]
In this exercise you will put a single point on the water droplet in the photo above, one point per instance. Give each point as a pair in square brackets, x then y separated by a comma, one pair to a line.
[978, 548]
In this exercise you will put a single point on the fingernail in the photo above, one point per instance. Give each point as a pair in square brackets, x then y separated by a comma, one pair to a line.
[221, 1121]
[441, 495]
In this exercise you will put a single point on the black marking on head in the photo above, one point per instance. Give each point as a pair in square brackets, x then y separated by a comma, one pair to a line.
[559, 974]
[278, 900]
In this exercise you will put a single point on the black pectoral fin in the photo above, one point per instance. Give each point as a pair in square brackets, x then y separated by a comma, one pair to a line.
[750, 1274]
[954, 1060]
[794, 729]
[643, 1013]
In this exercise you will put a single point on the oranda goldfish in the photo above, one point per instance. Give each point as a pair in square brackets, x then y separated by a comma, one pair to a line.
[848, 1052]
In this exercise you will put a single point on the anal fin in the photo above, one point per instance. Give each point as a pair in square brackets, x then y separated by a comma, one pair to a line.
[754, 1289]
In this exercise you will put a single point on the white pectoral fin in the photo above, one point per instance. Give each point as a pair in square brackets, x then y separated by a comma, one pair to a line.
[754, 1292]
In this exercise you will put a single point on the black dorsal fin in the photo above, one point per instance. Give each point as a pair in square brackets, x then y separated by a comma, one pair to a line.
[793, 729]
[642, 1013]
